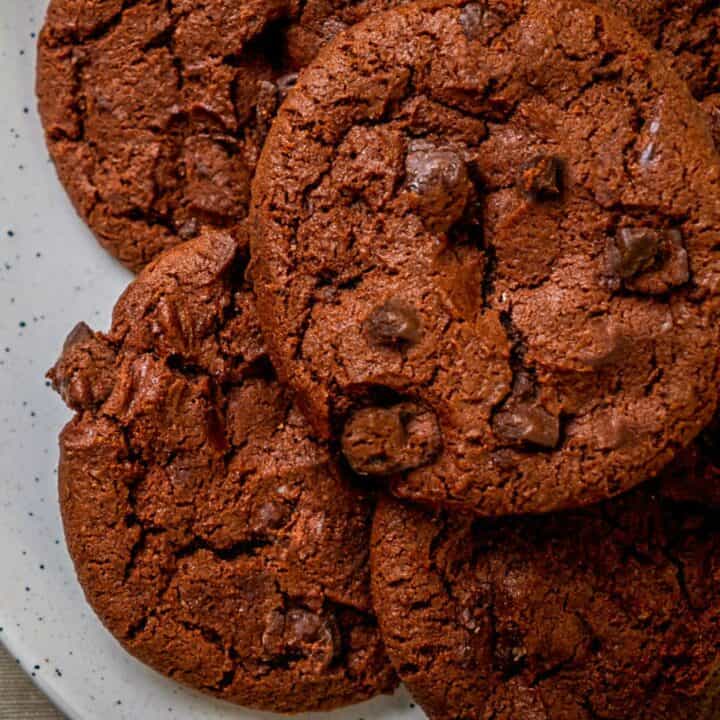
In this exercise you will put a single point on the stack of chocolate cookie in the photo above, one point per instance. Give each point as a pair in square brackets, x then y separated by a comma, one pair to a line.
[418, 377]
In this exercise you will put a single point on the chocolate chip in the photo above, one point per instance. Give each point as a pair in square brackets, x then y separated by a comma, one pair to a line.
[300, 631]
[606, 343]
[438, 178]
[304, 626]
[508, 652]
[170, 326]
[527, 422]
[387, 440]
[613, 432]
[633, 251]
[524, 385]
[285, 83]
[269, 516]
[79, 334]
[189, 229]
[648, 261]
[540, 178]
[394, 323]
[82, 373]
[480, 22]
[471, 19]
[430, 168]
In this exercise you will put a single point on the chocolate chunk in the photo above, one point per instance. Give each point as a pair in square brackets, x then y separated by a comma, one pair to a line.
[285, 83]
[479, 21]
[383, 441]
[394, 323]
[648, 261]
[299, 631]
[81, 373]
[606, 343]
[189, 229]
[540, 179]
[269, 516]
[613, 432]
[524, 385]
[438, 178]
[508, 651]
[672, 268]
[528, 422]
[634, 251]
[79, 334]
[431, 168]
[471, 19]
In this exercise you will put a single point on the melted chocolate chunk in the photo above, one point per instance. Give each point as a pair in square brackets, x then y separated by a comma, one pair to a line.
[614, 432]
[394, 323]
[301, 632]
[648, 261]
[79, 334]
[269, 516]
[79, 374]
[540, 178]
[527, 422]
[285, 83]
[634, 251]
[438, 178]
[189, 229]
[671, 270]
[508, 651]
[471, 19]
[478, 21]
[606, 343]
[384, 441]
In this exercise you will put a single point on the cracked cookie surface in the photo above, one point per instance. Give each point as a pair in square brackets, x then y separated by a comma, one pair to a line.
[214, 538]
[486, 254]
[155, 112]
[686, 32]
[607, 612]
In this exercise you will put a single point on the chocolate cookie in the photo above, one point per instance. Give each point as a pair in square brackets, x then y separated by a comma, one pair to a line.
[610, 612]
[213, 537]
[155, 112]
[486, 253]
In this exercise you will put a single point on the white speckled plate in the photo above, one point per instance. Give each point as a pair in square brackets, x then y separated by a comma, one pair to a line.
[53, 274]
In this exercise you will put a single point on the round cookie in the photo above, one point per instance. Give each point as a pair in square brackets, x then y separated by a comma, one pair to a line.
[213, 537]
[486, 254]
[155, 113]
[609, 612]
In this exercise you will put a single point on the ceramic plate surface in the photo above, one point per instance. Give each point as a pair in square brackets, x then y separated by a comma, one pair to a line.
[52, 275]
